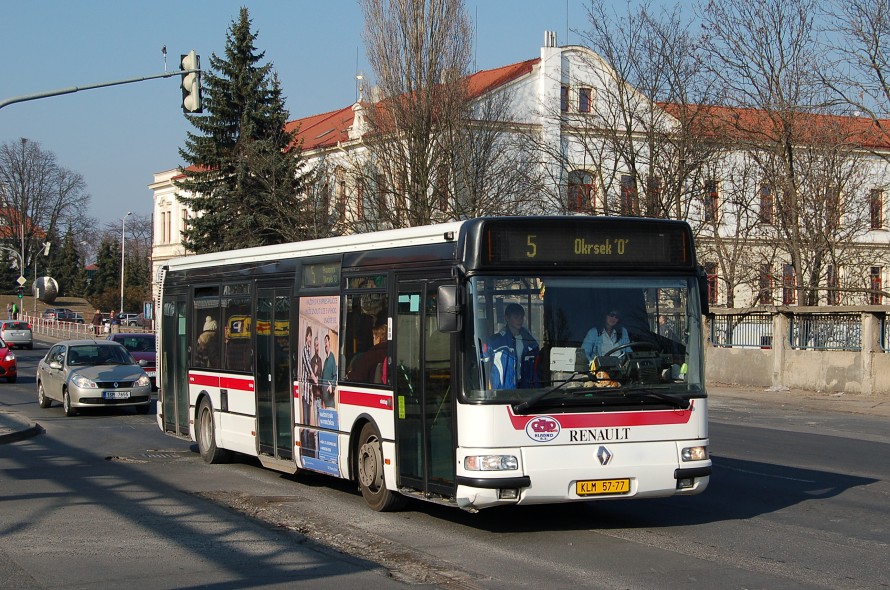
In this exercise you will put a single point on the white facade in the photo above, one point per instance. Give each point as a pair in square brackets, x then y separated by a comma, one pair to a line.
[552, 98]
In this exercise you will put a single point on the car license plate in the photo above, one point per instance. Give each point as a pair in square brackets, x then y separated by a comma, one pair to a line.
[596, 487]
[116, 395]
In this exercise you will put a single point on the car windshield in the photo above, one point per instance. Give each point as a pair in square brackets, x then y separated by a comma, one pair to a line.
[138, 343]
[582, 337]
[86, 355]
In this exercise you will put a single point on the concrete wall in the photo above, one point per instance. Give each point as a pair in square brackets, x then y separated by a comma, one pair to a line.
[865, 371]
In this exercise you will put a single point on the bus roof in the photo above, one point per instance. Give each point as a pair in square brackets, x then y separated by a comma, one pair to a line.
[411, 236]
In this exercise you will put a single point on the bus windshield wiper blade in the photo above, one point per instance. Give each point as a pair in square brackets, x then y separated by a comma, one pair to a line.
[681, 403]
[525, 406]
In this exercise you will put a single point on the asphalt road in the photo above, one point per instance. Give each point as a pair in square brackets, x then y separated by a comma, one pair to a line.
[798, 499]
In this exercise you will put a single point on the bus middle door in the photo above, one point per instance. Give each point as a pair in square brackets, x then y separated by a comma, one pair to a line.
[424, 396]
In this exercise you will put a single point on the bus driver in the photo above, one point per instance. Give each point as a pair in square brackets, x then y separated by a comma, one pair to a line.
[512, 353]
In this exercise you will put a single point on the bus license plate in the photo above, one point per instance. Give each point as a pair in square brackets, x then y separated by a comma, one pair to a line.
[595, 487]
[117, 395]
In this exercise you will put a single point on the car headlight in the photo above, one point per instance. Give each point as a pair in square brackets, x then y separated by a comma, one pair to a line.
[83, 382]
[143, 381]
[491, 463]
[9, 357]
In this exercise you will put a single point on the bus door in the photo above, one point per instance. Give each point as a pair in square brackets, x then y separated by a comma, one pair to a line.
[273, 373]
[174, 386]
[423, 388]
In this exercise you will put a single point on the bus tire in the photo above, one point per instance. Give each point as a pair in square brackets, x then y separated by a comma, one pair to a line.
[369, 469]
[206, 434]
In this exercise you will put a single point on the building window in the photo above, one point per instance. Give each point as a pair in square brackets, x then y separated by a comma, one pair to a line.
[441, 194]
[581, 194]
[766, 205]
[630, 199]
[789, 290]
[833, 295]
[876, 208]
[585, 96]
[564, 99]
[875, 286]
[765, 296]
[711, 272]
[711, 200]
[341, 194]
[381, 196]
[185, 221]
[360, 200]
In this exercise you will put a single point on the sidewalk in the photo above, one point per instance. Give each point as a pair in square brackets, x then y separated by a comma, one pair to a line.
[15, 427]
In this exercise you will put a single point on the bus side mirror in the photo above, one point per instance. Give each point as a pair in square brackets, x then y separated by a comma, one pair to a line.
[448, 311]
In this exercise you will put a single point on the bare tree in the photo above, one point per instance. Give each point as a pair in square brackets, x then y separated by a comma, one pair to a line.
[860, 73]
[765, 55]
[40, 198]
[420, 51]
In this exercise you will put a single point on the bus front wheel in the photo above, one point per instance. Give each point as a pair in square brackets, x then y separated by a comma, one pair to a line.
[206, 435]
[369, 467]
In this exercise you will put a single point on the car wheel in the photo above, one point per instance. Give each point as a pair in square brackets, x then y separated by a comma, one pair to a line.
[42, 400]
[11, 379]
[206, 435]
[66, 405]
[369, 467]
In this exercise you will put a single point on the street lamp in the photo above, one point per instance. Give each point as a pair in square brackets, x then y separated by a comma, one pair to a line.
[123, 246]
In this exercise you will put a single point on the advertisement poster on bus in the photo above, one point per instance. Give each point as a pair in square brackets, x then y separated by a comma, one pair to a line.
[316, 383]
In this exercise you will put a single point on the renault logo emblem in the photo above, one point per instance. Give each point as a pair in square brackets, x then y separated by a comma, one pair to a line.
[115, 386]
[603, 455]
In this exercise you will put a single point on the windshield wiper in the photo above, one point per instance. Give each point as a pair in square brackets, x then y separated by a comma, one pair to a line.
[681, 403]
[528, 404]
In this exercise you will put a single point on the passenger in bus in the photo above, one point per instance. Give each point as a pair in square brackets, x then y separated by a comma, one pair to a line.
[605, 337]
[365, 366]
[207, 354]
[512, 353]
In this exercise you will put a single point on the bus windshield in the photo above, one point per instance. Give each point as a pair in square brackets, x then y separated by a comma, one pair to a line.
[582, 337]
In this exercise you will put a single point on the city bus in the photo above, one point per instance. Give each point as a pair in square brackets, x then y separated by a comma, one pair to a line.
[463, 363]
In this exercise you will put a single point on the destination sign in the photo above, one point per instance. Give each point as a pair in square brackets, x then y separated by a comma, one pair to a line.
[596, 242]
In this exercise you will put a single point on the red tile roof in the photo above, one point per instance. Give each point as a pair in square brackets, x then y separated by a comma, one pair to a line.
[759, 125]
[326, 129]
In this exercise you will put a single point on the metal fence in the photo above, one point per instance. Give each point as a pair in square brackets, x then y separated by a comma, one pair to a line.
[751, 330]
[836, 331]
[806, 331]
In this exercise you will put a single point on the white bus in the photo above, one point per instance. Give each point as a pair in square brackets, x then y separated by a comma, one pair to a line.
[386, 358]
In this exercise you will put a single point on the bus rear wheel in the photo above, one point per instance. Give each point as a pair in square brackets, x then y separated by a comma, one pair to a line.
[369, 467]
[206, 434]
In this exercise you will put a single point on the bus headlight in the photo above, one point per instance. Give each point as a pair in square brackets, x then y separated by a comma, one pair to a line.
[694, 454]
[491, 463]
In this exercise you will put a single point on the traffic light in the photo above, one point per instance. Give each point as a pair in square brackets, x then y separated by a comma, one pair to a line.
[21, 291]
[191, 82]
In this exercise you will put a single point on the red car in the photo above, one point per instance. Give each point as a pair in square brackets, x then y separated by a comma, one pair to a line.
[142, 348]
[8, 366]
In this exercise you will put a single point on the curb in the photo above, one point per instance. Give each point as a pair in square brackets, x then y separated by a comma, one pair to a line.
[32, 429]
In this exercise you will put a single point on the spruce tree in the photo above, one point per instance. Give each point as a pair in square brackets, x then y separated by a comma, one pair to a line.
[66, 266]
[244, 173]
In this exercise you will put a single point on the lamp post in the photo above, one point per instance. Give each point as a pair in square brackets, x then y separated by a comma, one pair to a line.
[123, 246]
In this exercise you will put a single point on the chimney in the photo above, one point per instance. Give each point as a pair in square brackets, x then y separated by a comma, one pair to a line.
[549, 38]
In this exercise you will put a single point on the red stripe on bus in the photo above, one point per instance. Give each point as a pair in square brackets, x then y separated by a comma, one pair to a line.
[204, 380]
[239, 383]
[611, 419]
[236, 383]
[366, 400]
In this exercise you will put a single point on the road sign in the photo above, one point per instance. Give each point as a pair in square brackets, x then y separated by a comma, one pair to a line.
[21, 281]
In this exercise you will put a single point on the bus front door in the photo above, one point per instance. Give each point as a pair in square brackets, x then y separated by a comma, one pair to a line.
[424, 397]
[174, 385]
[273, 373]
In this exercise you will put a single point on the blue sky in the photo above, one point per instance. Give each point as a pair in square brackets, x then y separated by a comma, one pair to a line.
[118, 137]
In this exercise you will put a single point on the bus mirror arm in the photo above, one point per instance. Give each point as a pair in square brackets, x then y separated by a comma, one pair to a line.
[448, 311]
[703, 290]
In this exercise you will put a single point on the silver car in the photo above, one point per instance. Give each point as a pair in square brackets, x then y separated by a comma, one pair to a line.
[91, 373]
[17, 334]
